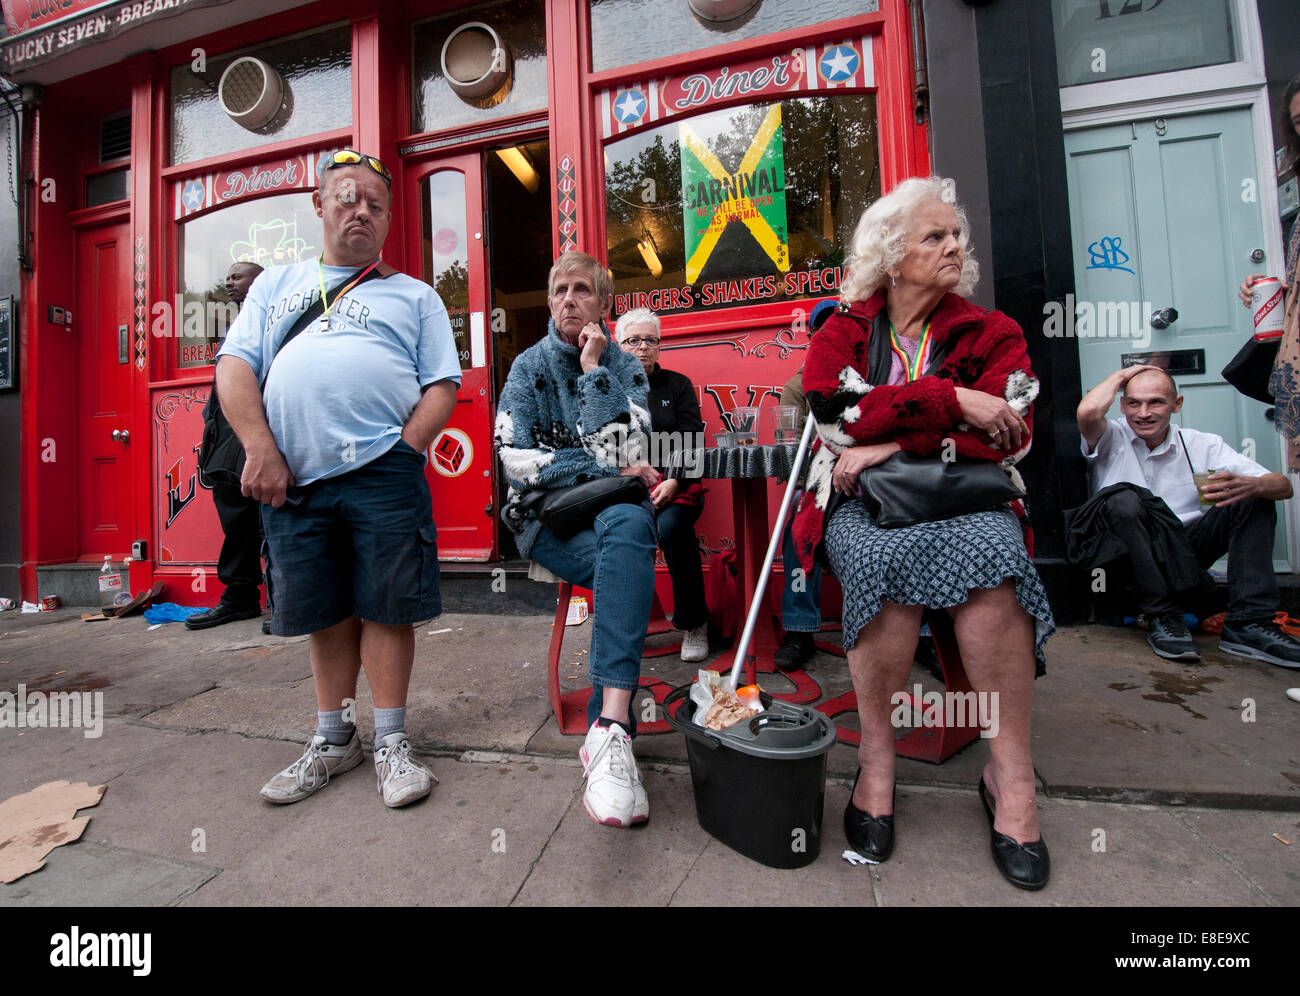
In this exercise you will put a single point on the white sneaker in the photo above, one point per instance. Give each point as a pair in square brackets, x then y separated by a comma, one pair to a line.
[695, 644]
[614, 794]
[313, 770]
[402, 779]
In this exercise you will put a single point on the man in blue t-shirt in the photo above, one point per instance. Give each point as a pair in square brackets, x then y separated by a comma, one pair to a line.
[335, 433]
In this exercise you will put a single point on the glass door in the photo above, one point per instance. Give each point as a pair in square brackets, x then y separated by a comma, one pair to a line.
[448, 196]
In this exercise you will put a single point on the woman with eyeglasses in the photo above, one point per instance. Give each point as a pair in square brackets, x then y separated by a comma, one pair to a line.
[674, 409]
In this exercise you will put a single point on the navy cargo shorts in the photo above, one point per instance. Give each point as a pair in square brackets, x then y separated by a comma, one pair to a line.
[362, 544]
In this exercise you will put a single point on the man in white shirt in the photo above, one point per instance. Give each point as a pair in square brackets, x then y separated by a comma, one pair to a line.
[1233, 513]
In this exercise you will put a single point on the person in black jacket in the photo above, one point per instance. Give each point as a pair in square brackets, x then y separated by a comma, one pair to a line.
[675, 421]
[239, 565]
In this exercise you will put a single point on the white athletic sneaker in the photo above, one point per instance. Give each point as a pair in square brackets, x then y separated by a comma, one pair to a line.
[313, 770]
[402, 779]
[695, 644]
[614, 794]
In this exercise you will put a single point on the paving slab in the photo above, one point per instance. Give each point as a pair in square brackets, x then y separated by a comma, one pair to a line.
[96, 874]
[586, 864]
[1150, 858]
[1113, 720]
[723, 877]
[472, 842]
[32, 757]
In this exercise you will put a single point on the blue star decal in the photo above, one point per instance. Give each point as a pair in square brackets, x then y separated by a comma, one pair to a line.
[192, 195]
[839, 63]
[630, 107]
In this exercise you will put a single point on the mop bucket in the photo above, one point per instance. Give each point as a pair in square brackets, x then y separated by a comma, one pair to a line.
[760, 784]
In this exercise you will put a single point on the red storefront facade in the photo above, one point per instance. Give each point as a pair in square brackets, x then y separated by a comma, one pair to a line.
[718, 167]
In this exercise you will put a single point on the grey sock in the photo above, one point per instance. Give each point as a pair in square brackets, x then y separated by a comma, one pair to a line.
[389, 721]
[331, 726]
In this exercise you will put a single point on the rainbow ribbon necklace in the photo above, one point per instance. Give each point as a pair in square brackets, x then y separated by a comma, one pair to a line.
[912, 368]
[325, 318]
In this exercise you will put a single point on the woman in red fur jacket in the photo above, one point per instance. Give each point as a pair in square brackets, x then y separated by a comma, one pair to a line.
[907, 363]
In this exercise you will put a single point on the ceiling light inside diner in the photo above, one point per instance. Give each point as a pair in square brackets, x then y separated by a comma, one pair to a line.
[520, 165]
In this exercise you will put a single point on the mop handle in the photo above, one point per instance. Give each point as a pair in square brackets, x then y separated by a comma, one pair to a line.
[755, 606]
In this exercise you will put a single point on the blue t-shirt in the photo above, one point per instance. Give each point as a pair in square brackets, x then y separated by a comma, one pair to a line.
[337, 399]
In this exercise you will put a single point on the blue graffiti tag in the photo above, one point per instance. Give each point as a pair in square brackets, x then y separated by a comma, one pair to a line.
[1109, 256]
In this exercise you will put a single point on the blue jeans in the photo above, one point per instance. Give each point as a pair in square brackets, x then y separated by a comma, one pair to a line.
[616, 560]
[800, 610]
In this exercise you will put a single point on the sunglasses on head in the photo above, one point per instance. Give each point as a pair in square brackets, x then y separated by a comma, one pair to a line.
[351, 157]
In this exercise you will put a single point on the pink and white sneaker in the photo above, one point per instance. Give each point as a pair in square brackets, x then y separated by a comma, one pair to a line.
[614, 795]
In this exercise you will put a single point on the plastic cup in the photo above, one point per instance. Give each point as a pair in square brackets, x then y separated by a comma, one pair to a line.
[744, 421]
[1202, 480]
[723, 439]
[785, 424]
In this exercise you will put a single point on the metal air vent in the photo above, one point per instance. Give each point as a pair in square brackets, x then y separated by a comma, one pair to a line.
[115, 137]
[251, 92]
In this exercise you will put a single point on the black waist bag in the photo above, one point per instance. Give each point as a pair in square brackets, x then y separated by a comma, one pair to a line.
[221, 456]
[568, 511]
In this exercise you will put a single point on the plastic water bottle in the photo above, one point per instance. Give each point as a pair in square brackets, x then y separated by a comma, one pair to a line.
[110, 584]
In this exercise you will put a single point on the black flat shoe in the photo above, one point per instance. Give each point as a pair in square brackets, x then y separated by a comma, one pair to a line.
[222, 614]
[1026, 866]
[870, 836]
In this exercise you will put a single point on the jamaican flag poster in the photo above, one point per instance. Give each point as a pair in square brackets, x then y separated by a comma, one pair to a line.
[733, 198]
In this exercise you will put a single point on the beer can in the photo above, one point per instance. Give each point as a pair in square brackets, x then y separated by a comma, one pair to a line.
[1266, 304]
[6, 604]
[49, 603]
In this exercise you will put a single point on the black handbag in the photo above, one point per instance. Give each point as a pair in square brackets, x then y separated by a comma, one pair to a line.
[1251, 368]
[568, 511]
[908, 489]
[221, 454]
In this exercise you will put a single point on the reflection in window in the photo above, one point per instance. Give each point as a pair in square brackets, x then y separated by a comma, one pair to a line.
[446, 251]
[628, 31]
[269, 231]
[747, 204]
[317, 71]
[522, 27]
[1116, 39]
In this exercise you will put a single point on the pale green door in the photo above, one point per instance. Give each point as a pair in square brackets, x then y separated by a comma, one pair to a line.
[1164, 213]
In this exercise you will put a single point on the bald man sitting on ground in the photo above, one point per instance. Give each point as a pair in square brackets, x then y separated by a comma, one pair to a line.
[1238, 518]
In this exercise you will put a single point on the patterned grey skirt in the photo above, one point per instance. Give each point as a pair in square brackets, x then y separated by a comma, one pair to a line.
[935, 564]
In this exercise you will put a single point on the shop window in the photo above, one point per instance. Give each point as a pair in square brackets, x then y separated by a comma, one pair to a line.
[269, 231]
[739, 206]
[1117, 39]
[284, 90]
[489, 62]
[628, 31]
[104, 188]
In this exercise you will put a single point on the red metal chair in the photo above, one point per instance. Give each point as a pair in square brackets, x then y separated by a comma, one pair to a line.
[570, 708]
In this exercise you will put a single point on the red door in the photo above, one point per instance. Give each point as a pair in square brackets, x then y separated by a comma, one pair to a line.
[102, 323]
[446, 208]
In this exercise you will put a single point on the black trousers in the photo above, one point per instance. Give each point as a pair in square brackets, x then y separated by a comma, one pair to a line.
[1244, 531]
[676, 525]
[239, 565]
